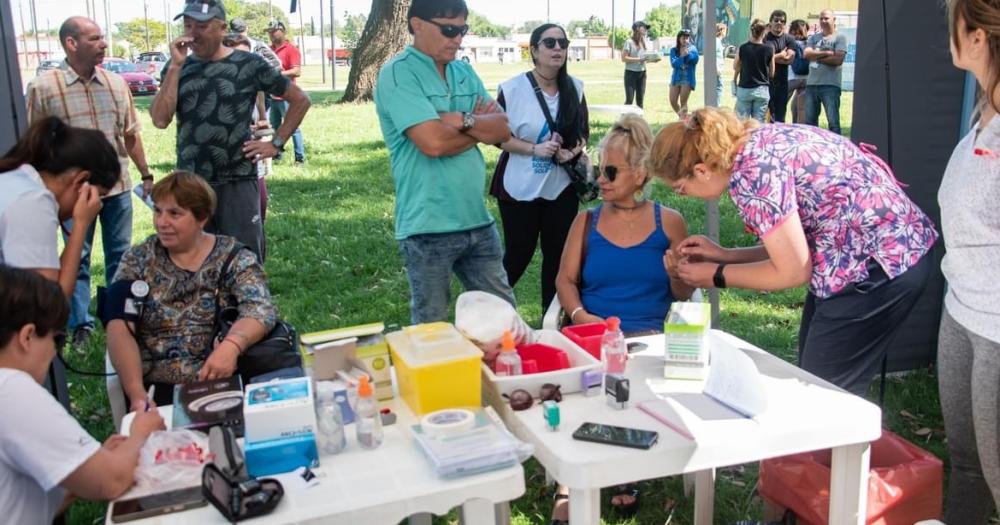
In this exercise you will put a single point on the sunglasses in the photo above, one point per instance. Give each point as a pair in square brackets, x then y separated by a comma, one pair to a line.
[523, 400]
[551, 42]
[450, 30]
[610, 172]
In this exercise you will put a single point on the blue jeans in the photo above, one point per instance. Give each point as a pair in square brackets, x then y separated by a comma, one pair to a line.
[279, 108]
[752, 102]
[474, 255]
[116, 234]
[829, 97]
[718, 89]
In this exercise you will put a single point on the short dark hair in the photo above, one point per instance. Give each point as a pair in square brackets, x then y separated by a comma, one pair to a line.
[28, 298]
[778, 13]
[51, 146]
[69, 29]
[427, 9]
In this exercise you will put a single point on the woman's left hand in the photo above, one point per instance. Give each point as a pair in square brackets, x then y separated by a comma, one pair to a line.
[564, 155]
[698, 275]
[221, 363]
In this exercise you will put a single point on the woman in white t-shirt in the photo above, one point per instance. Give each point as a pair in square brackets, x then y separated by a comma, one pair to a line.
[46, 457]
[635, 58]
[54, 173]
[534, 193]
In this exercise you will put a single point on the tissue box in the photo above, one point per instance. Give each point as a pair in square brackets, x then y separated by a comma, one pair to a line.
[686, 332]
[280, 422]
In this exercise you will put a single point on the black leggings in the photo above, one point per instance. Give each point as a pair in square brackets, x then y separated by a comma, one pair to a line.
[635, 86]
[523, 223]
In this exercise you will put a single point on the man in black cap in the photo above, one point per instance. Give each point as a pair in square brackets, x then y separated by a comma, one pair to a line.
[212, 93]
[238, 26]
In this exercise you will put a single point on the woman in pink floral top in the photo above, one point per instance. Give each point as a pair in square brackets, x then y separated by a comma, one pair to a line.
[826, 211]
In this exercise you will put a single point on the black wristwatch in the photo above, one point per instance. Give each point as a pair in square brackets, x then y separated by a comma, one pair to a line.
[278, 143]
[719, 280]
[468, 121]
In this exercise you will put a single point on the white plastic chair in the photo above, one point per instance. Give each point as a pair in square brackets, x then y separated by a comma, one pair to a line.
[116, 396]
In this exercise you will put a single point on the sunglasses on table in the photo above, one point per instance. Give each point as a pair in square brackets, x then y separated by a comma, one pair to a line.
[450, 30]
[551, 42]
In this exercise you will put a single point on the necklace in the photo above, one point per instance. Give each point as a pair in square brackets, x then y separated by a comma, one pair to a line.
[630, 217]
[628, 208]
[541, 76]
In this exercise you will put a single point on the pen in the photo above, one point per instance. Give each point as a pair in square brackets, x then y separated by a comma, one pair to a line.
[149, 397]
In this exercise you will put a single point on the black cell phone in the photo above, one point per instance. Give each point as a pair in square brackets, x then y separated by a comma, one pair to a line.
[157, 504]
[612, 435]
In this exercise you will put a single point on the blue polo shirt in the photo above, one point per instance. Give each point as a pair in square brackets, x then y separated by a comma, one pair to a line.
[433, 195]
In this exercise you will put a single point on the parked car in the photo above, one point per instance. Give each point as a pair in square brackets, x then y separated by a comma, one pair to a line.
[139, 82]
[152, 63]
[47, 65]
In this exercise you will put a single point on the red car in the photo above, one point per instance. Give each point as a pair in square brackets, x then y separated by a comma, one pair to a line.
[139, 83]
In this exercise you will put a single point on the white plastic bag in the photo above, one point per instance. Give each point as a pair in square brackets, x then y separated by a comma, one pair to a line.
[172, 459]
[483, 318]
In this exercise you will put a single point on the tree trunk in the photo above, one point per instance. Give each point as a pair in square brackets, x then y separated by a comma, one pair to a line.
[385, 35]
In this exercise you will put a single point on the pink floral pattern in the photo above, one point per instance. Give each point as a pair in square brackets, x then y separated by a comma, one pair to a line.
[851, 206]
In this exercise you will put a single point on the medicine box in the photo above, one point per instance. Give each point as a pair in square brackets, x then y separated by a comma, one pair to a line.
[266, 458]
[280, 421]
[361, 346]
[686, 332]
[436, 367]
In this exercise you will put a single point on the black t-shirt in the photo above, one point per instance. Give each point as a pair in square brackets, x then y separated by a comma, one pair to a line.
[755, 59]
[778, 44]
[215, 101]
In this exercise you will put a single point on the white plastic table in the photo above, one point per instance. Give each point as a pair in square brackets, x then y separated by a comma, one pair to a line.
[381, 486]
[805, 413]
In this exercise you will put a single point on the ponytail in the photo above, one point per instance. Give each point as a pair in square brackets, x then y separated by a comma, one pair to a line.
[53, 147]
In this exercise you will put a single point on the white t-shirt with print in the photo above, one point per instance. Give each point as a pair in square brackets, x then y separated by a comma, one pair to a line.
[526, 177]
[29, 221]
[40, 445]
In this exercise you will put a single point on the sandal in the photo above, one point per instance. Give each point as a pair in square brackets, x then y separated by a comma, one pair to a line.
[555, 500]
[626, 510]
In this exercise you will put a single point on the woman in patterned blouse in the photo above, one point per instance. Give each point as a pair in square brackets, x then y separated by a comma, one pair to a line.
[183, 265]
[827, 212]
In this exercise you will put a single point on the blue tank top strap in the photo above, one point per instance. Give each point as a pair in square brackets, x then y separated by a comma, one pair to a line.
[656, 214]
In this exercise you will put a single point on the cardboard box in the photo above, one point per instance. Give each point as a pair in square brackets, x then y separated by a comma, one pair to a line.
[362, 346]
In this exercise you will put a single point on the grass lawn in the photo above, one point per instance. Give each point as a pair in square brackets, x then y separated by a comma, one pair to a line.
[332, 261]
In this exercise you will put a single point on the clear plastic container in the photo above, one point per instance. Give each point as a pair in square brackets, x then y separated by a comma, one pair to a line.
[508, 362]
[613, 351]
[368, 420]
[330, 433]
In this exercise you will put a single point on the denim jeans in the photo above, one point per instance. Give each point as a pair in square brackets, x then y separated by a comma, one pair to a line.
[475, 257]
[279, 108]
[829, 97]
[718, 90]
[116, 235]
[752, 102]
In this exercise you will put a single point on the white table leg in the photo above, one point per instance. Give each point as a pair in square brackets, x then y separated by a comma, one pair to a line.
[704, 496]
[584, 506]
[849, 484]
[477, 511]
[424, 518]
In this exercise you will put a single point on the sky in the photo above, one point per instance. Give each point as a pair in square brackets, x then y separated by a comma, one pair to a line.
[51, 13]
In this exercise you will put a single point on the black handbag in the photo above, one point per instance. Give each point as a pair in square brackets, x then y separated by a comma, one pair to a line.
[578, 168]
[277, 350]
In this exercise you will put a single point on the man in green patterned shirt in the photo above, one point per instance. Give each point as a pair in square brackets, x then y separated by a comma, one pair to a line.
[212, 92]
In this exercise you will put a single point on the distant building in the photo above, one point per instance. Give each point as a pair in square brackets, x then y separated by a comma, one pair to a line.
[487, 50]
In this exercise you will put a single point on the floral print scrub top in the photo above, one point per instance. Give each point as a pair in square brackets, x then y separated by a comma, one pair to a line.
[851, 206]
[178, 318]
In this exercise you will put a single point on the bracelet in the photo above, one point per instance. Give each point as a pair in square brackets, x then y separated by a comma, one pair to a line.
[575, 311]
[147, 177]
[237, 345]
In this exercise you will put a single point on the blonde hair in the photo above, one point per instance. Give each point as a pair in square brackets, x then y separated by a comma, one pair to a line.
[985, 15]
[189, 190]
[711, 136]
[721, 29]
[631, 133]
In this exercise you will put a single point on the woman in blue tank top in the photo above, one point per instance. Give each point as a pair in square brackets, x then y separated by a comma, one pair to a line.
[622, 268]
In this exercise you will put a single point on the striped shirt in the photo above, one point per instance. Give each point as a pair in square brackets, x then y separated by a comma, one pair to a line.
[103, 103]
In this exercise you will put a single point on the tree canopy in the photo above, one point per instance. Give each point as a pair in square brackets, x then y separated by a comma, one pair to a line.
[257, 16]
[350, 30]
[479, 25]
[530, 25]
[663, 21]
[592, 26]
[134, 32]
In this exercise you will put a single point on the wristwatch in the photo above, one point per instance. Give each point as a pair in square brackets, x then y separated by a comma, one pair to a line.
[468, 121]
[278, 142]
[719, 279]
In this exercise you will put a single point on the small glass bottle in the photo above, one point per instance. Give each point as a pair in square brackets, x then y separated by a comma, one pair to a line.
[613, 351]
[508, 362]
[330, 420]
[367, 417]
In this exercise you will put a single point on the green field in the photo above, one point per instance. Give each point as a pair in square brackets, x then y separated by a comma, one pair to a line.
[332, 261]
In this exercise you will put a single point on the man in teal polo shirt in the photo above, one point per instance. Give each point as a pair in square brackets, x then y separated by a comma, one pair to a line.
[434, 111]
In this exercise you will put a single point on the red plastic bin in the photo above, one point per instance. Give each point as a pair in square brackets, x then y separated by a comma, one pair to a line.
[587, 336]
[545, 358]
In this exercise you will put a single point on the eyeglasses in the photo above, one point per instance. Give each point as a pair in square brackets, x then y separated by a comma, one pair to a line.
[450, 30]
[680, 189]
[551, 42]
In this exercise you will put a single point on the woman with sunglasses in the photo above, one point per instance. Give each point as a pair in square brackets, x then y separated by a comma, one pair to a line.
[683, 60]
[54, 173]
[615, 262]
[46, 457]
[827, 212]
[533, 191]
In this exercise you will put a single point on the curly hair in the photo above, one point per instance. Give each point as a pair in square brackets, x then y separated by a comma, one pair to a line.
[711, 136]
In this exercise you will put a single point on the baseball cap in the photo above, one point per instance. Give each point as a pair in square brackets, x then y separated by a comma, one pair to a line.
[203, 10]
[639, 23]
[275, 25]
[237, 25]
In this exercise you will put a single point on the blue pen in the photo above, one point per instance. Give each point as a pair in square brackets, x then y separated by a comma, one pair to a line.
[149, 397]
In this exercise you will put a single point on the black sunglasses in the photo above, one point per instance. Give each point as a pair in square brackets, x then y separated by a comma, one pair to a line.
[551, 42]
[610, 172]
[450, 30]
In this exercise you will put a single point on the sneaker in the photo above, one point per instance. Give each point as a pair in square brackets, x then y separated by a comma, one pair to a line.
[300, 160]
[81, 336]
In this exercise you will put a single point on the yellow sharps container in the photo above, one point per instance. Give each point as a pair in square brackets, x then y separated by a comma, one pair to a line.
[436, 367]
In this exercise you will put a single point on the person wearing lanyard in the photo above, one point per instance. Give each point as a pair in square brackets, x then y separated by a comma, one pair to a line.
[828, 213]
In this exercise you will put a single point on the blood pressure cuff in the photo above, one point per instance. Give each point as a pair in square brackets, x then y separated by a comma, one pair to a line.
[116, 302]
